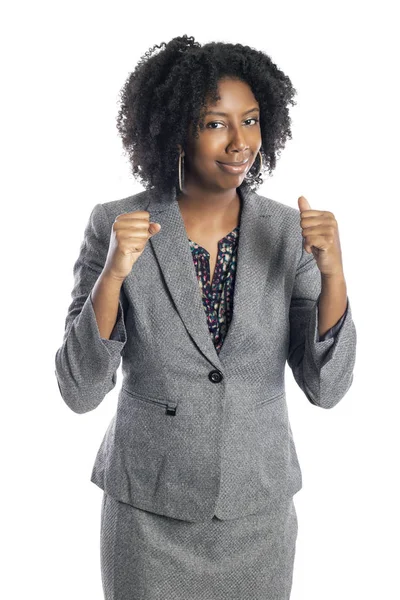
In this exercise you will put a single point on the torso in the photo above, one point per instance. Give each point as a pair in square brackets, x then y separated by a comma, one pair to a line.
[200, 233]
[210, 241]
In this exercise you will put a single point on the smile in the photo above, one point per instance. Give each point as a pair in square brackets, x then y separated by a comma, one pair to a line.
[233, 169]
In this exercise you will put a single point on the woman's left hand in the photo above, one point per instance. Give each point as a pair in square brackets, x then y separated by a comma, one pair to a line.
[321, 237]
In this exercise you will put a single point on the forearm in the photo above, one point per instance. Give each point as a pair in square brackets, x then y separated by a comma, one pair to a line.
[105, 298]
[332, 302]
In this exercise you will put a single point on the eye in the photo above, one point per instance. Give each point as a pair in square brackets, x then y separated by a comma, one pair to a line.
[253, 119]
[218, 123]
[213, 123]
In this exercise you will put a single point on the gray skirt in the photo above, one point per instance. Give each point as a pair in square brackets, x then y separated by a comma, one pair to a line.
[147, 556]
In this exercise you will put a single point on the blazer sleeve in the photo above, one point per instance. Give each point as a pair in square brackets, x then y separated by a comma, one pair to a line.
[333, 330]
[86, 364]
[322, 367]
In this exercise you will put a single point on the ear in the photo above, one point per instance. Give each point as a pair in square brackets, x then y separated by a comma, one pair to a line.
[180, 149]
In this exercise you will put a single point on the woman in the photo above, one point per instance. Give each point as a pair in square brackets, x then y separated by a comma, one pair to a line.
[198, 466]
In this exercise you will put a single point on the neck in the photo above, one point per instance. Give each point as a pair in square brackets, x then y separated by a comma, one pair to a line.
[210, 208]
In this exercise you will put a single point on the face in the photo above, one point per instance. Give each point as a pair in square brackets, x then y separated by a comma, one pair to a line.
[232, 137]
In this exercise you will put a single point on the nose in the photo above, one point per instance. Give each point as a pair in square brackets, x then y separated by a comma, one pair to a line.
[238, 140]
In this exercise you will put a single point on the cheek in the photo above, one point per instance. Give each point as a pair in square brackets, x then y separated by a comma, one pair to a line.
[205, 158]
[206, 151]
[210, 144]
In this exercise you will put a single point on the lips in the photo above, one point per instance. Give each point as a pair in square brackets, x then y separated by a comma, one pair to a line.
[234, 168]
[234, 163]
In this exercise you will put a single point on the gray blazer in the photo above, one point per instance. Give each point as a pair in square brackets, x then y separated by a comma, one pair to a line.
[197, 433]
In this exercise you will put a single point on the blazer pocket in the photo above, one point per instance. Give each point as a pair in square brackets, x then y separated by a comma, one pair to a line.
[282, 396]
[168, 405]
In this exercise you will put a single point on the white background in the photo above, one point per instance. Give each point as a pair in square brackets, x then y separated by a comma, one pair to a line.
[63, 65]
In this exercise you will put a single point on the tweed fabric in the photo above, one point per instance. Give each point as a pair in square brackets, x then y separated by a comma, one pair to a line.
[145, 556]
[198, 466]
[197, 432]
[217, 295]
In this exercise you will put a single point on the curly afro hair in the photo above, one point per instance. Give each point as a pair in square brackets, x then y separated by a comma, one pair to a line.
[166, 95]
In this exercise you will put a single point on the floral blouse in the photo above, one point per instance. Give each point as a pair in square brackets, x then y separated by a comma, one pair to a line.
[217, 296]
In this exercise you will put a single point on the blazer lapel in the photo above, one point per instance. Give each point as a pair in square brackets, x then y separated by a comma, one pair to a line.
[173, 253]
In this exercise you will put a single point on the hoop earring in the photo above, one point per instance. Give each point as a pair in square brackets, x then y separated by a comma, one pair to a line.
[251, 177]
[181, 171]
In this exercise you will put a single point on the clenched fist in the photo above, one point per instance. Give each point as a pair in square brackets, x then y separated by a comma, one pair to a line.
[129, 236]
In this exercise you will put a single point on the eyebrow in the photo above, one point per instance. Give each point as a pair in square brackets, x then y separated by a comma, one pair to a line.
[213, 112]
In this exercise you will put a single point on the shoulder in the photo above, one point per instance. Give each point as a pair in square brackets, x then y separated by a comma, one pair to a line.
[104, 214]
[281, 213]
[285, 223]
[132, 203]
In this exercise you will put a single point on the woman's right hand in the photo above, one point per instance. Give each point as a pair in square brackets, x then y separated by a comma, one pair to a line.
[129, 235]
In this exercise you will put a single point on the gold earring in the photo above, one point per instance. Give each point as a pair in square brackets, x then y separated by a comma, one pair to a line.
[251, 177]
[181, 155]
